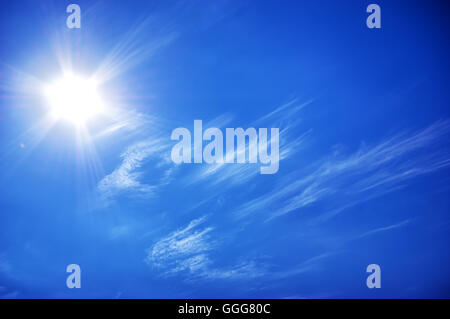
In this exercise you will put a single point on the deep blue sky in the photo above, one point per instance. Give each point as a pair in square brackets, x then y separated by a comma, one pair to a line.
[364, 177]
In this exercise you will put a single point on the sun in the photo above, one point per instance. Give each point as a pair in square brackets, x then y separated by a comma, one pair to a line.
[74, 98]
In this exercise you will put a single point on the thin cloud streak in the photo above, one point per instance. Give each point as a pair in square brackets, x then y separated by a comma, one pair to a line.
[386, 228]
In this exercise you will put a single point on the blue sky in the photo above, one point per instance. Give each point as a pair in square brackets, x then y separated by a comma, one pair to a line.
[364, 151]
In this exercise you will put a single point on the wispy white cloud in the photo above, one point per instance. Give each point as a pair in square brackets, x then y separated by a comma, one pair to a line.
[183, 249]
[385, 228]
[126, 177]
[380, 168]
[284, 117]
[187, 251]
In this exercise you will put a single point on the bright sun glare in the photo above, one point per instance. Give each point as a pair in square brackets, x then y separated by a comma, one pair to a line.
[74, 98]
